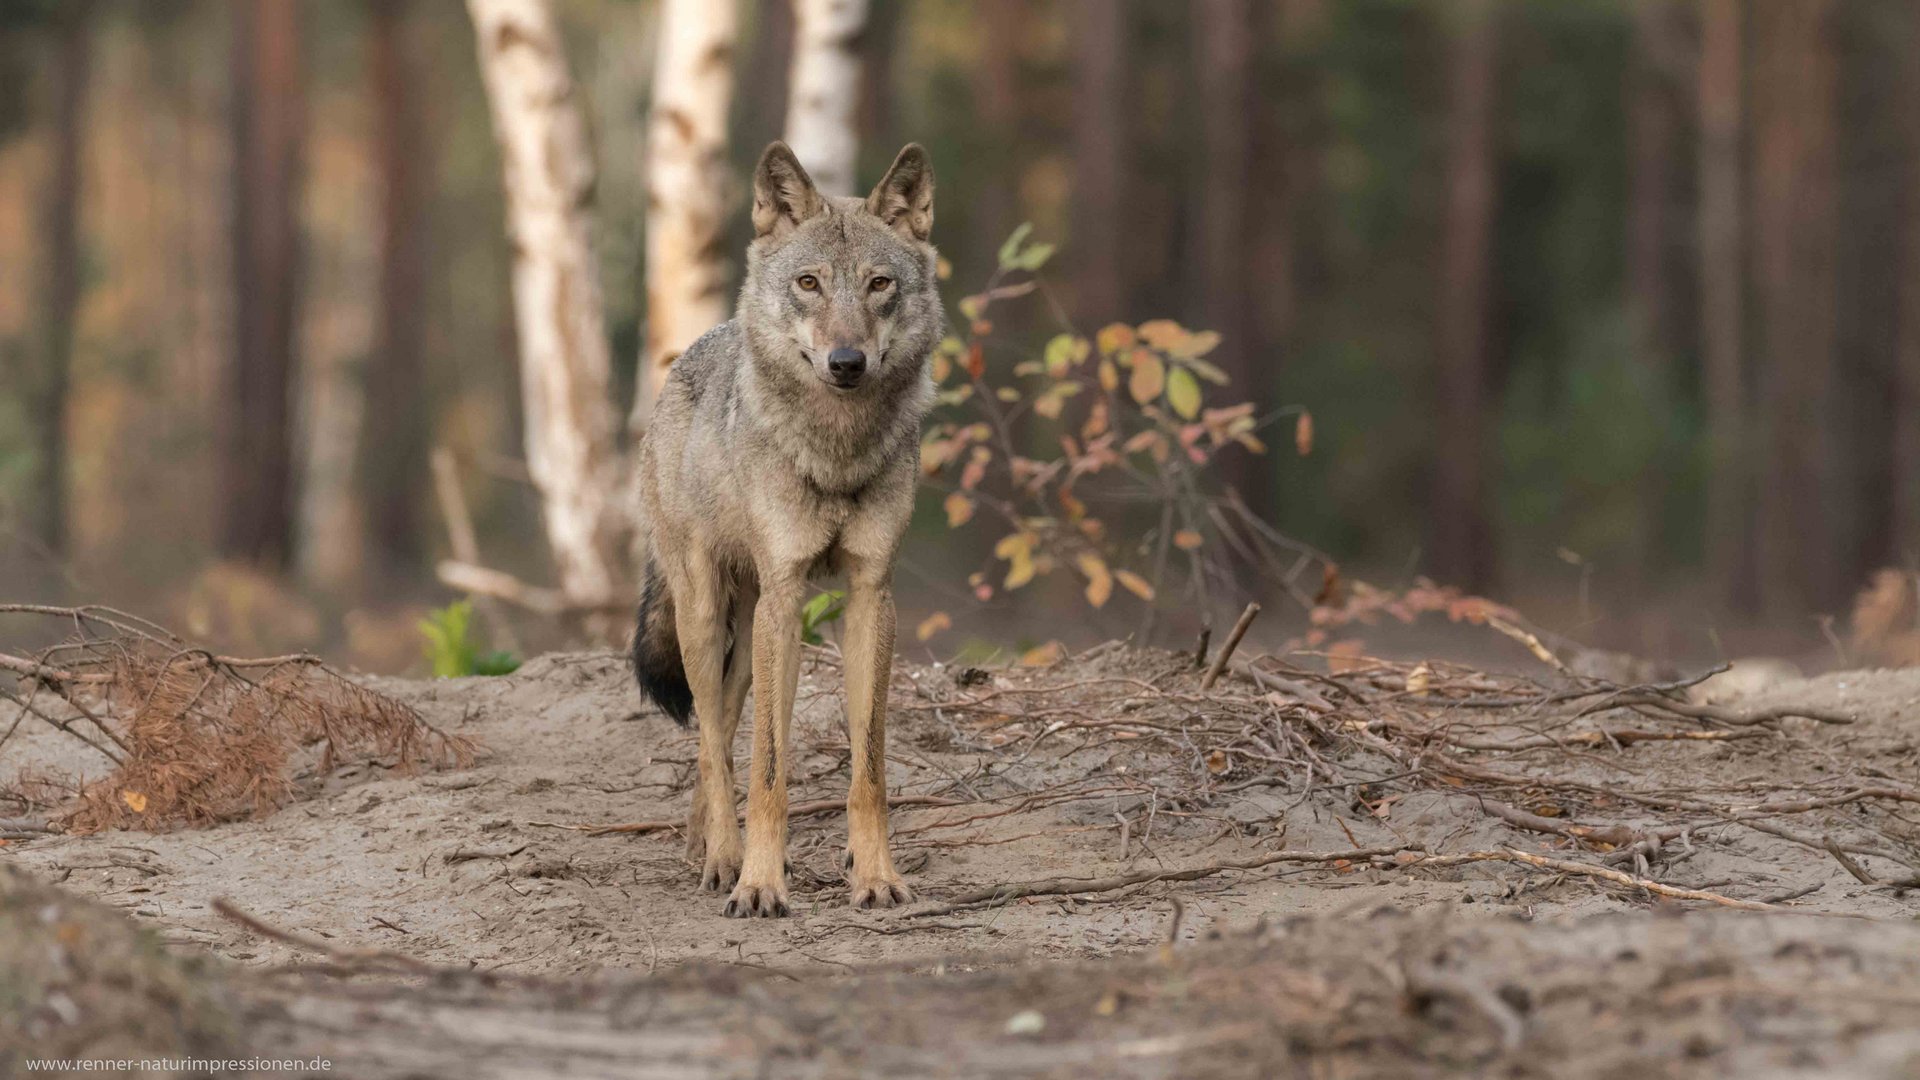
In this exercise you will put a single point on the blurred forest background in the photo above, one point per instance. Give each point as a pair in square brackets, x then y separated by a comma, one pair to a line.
[1609, 309]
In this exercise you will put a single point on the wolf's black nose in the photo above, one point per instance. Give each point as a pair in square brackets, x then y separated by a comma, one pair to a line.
[846, 365]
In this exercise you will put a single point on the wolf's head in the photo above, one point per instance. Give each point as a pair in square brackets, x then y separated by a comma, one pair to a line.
[840, 298]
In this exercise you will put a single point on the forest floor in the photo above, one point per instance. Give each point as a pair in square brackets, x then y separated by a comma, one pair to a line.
[1397, 870]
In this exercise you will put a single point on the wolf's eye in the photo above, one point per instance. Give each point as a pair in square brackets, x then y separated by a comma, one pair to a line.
[808, 282]
[880, 284]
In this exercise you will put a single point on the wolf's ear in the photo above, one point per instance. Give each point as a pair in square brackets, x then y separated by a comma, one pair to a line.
[904, 199]
[783, 193]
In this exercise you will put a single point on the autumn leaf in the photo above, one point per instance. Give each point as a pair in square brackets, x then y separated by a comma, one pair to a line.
[1163, 334]
[1109, 376]
[1064, 352]
[942, 269]
[1183, 392]
[1054, 398]
[135, 801]
[1099, 578]
[1135, 584]
[1149, 377]
[1218, 763]
[1113, 337]
[1303, 433]
[933, 624]
[1096, 424]
[959, 509]
[972, 306]
[1017, 550]
[976, 360]
[1196, 344]
[1187, 540]
[1042, 655]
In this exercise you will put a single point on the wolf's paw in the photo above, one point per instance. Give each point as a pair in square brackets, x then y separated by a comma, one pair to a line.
[880, 891]
[721, 871]
[758, 900]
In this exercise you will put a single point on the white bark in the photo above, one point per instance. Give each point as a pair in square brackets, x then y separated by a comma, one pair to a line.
[687, 187]
[826, 90]
[565, 370]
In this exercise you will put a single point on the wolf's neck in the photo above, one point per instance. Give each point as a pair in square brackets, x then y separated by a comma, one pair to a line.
[838, 444]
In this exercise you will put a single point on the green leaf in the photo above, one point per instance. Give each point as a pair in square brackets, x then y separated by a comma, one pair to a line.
[822, 609]
[1183, 393]
[1010, 251]
[1034, 257]
[1064, 351]
[450, 649]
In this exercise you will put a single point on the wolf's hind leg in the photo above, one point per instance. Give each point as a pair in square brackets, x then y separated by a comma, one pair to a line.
[699, 593]
[873, 881]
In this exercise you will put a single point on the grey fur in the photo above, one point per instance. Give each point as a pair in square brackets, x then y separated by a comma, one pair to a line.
[758, 471]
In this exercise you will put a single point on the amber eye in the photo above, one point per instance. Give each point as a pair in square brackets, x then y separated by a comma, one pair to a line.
[880, 284]
[808, 282]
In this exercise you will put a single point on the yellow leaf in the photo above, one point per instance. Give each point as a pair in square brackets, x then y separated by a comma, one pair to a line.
[1303, 433]
[1064, 351]
[1187, 540]
[1041, 656]
[933, 624]
[1109, 376]
[135, 801]
[1149, 377]
[1019, 572]
[1099, 578]
[1014, 544]
[942, 269]
[1183, 392]
[1135, 584]
[1115, 336]
[959, 509]
[1198, 343]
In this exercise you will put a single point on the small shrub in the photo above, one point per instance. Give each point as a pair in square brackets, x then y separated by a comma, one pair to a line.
[450, 648]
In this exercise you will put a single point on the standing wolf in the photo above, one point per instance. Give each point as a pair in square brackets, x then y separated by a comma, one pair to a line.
[785, 444]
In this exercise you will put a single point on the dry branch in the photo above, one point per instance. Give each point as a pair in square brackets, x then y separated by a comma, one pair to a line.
[1233, 642]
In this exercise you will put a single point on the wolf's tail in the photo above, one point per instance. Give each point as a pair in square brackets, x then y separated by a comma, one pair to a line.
[656, 650]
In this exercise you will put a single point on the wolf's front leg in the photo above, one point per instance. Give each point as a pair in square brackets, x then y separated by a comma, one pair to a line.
[869, 666]
[699, 618]
[776, 673]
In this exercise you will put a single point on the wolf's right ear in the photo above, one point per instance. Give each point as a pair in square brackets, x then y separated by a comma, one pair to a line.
[783, 193]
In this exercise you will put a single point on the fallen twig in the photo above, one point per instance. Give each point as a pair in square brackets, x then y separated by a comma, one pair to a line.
[1233, 642]
[1568, 866]
[226, 909]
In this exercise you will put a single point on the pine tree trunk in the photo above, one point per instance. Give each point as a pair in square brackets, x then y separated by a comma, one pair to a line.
[997, 107]
[1653, 129]
[1729, 546]
[565, 371]
[1223, 61]
[1796, 264]
[1100, 159]
[47, 505]
[1906, 404]
[687, 187]
[1462, 551]
[393, 463]
[269, 124]
[824, 97]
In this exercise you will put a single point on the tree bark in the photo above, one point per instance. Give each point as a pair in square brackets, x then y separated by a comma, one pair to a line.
[1729, 541]
[1462, 551]
[393, 463]
[1099, 159]
[47, 512]
[565, 371]
[997, 107]
[269, 125]
[1223, 42]
[687, 187]
[1796, 269]
[1906, 404]
[824, 98]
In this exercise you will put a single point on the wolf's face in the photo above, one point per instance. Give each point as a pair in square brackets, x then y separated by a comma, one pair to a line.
[840, 293]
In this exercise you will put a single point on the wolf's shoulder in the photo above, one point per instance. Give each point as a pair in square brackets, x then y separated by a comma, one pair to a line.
[710, 361]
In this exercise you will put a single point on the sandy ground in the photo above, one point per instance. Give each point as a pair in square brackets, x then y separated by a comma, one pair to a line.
[476, 869]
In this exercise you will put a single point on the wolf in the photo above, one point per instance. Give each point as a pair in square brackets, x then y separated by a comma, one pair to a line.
[785, 445]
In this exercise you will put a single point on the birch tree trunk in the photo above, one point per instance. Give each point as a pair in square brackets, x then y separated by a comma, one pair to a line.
[825, 93]
[687, 187]
[565, 370]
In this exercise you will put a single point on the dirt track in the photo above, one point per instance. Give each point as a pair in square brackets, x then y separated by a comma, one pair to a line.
[474, 869]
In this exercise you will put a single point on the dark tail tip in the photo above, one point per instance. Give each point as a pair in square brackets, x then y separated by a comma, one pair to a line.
[656, 652]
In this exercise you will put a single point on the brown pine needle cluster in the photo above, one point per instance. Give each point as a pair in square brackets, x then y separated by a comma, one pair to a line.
[196, 738]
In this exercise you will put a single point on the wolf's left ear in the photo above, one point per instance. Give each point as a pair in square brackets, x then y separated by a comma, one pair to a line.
[904, 199]
[783, 193]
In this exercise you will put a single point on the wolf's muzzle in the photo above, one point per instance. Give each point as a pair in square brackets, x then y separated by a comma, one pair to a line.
[845, 366]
